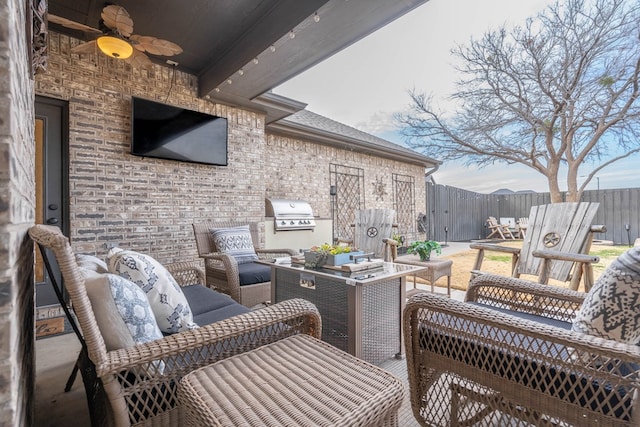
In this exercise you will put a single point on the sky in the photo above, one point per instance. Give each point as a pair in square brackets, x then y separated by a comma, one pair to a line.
[365, 84]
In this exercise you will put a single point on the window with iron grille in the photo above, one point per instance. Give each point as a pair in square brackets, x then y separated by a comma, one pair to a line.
[404, 203]
[349, 197]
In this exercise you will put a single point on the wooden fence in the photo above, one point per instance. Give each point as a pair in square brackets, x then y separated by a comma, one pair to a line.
[454, 214]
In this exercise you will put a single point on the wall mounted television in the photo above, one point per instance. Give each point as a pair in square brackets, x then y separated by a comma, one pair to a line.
[168, 132]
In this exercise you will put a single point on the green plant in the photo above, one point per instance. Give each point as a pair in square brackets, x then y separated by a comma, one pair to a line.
[423, 249]
[323, 251]
[398, 238]
[332, 249]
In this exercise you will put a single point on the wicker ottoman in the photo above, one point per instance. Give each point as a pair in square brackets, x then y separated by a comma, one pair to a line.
[297, 381]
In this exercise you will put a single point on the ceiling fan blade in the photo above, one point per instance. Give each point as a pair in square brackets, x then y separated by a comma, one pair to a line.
[155, 46]
[85, 48]
[139, 60]
[117, 18]
[72, 24]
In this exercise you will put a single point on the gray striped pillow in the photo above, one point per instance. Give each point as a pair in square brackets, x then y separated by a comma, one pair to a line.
[236, 242]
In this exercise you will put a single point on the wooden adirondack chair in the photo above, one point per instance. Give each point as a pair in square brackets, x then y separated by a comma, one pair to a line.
[556, 246]
[501, 230]
[523, 224]
[372, 227]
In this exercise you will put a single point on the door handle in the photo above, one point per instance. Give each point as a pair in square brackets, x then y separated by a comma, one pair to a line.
[52, 221]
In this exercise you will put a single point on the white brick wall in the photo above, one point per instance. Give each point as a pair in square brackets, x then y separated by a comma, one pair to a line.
[17, 364]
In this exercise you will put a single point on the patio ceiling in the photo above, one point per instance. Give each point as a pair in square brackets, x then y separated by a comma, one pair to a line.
[241, 49]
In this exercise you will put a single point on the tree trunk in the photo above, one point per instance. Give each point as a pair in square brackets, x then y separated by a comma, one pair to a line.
[554, 191]
[573, 196]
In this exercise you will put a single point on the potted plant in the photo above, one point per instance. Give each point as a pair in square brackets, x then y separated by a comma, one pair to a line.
[423, 249]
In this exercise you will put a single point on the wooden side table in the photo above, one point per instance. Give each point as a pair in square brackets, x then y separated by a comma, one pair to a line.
[298, 381]
[436, 268]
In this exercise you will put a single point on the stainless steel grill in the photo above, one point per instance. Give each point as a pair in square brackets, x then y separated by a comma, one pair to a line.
[290, 214]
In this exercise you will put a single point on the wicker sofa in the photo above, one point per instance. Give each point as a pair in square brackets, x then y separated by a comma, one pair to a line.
[137, 385]
[508, 356]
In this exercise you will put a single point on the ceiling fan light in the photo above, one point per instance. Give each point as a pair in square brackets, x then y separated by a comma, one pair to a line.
[115, 47]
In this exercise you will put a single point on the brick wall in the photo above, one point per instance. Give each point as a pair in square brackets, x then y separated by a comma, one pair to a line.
[150, 204]
[142, 203]
[306, 175]
[17, 362]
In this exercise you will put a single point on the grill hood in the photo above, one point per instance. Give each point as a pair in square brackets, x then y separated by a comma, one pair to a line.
[290, 214]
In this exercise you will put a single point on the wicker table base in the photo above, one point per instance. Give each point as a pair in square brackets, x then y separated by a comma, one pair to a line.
[297, 381]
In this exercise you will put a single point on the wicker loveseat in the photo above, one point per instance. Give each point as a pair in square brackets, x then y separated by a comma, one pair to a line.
[137, 385]
[508, 356]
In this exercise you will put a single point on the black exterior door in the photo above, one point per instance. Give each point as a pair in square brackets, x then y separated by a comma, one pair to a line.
[52, 208]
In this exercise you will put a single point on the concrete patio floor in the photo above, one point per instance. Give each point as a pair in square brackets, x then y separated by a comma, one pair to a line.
[56, 356]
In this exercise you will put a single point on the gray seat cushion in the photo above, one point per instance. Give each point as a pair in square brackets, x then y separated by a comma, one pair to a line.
[251, 273]
[203, 300]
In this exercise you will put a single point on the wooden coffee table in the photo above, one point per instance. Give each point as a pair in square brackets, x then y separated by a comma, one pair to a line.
[436, 268]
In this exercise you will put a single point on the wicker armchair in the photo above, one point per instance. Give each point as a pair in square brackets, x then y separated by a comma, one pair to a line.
[137, 385]
[505, 357]
[222, 270]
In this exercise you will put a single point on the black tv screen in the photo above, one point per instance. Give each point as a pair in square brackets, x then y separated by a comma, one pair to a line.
[168, 132]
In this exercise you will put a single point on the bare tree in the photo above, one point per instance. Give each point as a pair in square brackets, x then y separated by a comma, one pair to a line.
[560, 90]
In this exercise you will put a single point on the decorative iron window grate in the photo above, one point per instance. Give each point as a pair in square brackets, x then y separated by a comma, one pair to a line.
[349, 197]
[404, 203]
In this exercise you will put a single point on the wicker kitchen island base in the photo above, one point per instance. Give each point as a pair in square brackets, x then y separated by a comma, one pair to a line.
[298, 381]
[361, 312]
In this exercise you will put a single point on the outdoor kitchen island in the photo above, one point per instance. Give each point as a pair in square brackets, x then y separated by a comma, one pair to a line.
[361, 311]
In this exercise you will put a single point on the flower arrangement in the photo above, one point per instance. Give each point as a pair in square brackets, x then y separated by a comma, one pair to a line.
[318, 256]
[332, 249]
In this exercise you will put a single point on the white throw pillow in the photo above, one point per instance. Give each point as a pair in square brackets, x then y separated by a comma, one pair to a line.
[122, 311]
[611, 308]
[168, 303]
[236, 242]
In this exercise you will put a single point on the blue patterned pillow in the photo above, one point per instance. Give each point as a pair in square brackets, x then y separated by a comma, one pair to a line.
[236, 242]
[168, 303]
[122, 311]
[611, 309]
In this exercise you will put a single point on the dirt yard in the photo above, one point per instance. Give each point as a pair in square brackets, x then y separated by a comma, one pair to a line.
[499, 263]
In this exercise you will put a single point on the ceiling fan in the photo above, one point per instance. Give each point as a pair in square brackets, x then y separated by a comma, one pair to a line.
[116, 38]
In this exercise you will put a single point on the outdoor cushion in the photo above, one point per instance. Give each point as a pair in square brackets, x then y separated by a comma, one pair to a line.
[168, 303]
[515, 366]
[204, 300]
[219, 314]
[611, 308]
[122, 311]
[236, 242]
[91, 263]
[252, 273]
